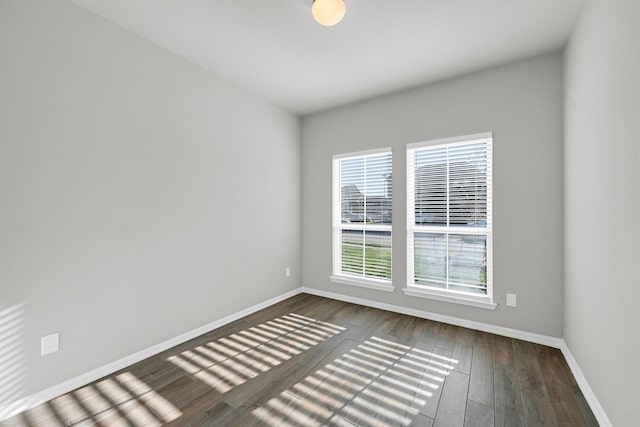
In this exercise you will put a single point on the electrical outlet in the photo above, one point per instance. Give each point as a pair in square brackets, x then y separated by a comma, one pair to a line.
[287, 272]
[49, 344]
[512, 300]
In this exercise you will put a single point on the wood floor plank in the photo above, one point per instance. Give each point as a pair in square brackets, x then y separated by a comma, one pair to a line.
[427, 335]
[509, 410]
[368, 322]
[217, 413]
[408, 330]
[466, 336]
[451, 409]
[478, 415]
[344, 388]
[43, 415]
[403, 388]
[311, 361]
[538, 410]
[481, 379]
[421, 420]
[463, 356]
[286, 374]
[184, 391]
[447, 336]
[564, 394]
[463, 349]
[503, 351]
[393, 325]
[435, 375]
[250, 417]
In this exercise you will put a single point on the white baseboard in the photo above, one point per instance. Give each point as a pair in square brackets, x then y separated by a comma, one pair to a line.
[588, 393]
[36, 399]
[479, 326]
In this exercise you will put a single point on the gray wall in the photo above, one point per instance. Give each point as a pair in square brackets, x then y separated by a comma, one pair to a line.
[602, 235]
[521, 104]
[140, 196]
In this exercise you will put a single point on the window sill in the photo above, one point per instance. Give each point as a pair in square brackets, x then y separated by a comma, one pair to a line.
[364, 283]
[464, 300]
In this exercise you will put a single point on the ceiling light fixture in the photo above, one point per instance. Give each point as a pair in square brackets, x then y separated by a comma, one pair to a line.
[328, 12]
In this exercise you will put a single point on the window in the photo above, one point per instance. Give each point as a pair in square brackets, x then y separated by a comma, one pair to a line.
[449, 220]
[362, 219]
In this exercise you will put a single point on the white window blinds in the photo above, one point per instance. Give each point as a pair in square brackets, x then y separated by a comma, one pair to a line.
[449, 215]
[362, 196]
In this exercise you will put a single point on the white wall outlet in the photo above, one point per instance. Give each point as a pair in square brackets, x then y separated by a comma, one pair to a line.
[49, 344]
[287, 272]
[512, 300]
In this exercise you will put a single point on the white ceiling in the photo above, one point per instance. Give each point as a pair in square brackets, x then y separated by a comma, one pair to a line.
[274, 48]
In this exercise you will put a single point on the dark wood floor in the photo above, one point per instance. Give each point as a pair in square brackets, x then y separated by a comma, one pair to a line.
[313, 361]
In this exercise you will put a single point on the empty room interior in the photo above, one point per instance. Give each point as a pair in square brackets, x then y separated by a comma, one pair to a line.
[319, 212]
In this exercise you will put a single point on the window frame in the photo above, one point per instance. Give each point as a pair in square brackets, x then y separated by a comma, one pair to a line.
[338, 226]
[448, 295]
